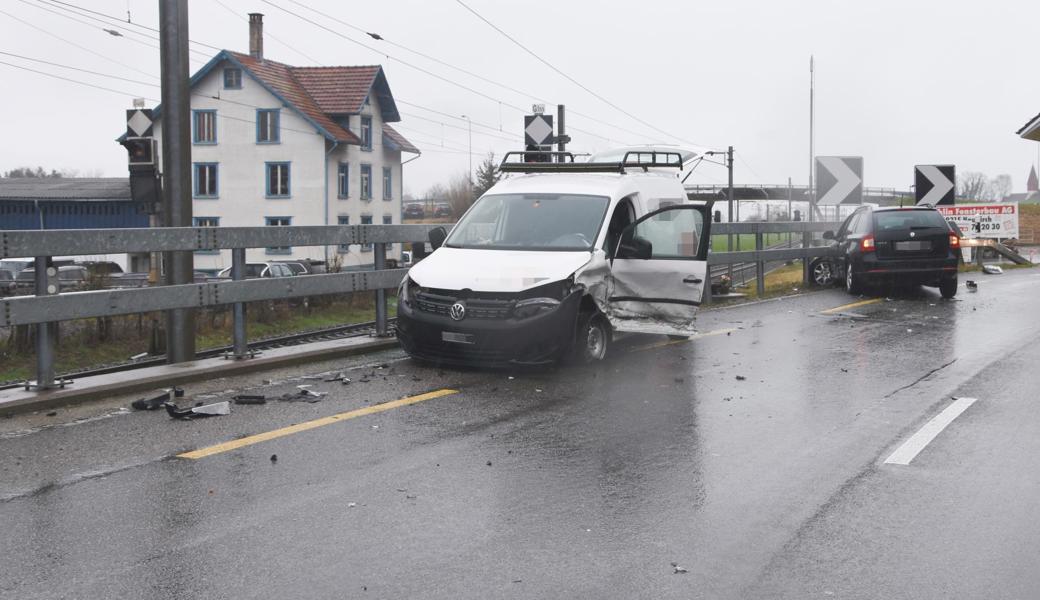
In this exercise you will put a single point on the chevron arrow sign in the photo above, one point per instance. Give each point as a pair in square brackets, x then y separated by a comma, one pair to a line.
[839, 180]
[935, 184]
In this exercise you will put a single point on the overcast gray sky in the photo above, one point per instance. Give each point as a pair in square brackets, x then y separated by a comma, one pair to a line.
[899, 82]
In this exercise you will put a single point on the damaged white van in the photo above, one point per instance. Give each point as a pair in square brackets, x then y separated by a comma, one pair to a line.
[556, 258]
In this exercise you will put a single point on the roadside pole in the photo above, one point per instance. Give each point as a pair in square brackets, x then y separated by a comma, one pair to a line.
[561, 130]
[729, 206]
[176, 160]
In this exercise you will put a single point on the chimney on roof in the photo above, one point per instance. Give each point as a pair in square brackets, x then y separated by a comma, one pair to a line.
[256, 35]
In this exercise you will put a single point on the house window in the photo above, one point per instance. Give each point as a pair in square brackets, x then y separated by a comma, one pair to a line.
[388, 192]
[366, 133]
[205, 180]
[388, 220]
[366, 220]
[277, 180]
[366, 182]
[278, 222]
[343, 220]
[343, 181]
[206, 222]
[267, 126]
[204, 126]
[232, 79]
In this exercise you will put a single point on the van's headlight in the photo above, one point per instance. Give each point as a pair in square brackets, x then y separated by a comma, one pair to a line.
[404, 292]
[532, 307]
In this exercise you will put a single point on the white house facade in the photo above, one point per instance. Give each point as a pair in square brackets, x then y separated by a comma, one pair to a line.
[276, 145]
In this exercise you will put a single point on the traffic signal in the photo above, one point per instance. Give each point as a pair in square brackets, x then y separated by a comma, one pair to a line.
[141, 151]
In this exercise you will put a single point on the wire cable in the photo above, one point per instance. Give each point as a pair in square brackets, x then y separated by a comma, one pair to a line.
[61, 66]
[571, 79]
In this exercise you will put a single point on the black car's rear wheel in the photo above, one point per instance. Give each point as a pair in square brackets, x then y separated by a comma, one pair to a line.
[822, 271]
[852, 283]
[948, 287]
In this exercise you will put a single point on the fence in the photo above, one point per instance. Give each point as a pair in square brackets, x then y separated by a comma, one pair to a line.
[48, 305]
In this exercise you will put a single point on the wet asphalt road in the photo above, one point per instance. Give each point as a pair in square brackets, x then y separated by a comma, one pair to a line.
[576, 482]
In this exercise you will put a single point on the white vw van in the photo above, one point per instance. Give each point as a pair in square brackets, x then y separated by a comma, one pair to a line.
[556, 258]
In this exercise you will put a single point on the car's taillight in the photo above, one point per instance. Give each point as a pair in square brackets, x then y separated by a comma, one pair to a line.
[955, 242]
[867, 244]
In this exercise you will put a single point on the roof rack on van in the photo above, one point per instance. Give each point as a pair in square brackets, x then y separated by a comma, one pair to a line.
[634, 159]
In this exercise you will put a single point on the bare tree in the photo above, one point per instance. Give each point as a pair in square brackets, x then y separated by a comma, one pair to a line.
[460, 193]
[1001, 186]
[973, 185]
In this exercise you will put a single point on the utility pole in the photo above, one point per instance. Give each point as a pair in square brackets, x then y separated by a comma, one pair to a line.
[729, 207]
[807, 237]
[561, 130]
[176, 160]
[470, 177]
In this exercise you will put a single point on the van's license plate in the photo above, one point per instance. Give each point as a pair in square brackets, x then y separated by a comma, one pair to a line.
[913, 246]
[458, 338]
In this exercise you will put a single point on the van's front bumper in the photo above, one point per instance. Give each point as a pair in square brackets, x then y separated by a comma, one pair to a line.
[541, 339]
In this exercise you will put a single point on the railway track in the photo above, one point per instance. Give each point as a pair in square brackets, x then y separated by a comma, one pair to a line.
[293, 339]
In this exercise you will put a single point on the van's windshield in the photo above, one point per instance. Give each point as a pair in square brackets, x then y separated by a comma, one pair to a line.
[558, 222]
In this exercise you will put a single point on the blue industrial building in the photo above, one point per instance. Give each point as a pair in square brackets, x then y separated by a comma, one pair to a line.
[69, 203]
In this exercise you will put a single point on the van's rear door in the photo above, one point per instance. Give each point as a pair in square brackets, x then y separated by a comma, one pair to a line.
[659, 271]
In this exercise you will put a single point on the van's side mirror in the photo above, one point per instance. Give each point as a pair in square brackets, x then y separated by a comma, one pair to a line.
[437, 237]
[828, 235]
[718, 216]
[635, 247]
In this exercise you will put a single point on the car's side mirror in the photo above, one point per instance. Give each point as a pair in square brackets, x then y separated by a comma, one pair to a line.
[635, 247]
[437, 237]
[828, 235]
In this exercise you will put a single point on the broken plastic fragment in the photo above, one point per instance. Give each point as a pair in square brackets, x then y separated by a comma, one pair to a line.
[678, 570]
[741, 378]
[250, 399]
[992, 269]
[206, 410]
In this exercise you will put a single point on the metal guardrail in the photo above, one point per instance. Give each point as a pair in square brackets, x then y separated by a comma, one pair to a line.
[760, 255]
[49, 306]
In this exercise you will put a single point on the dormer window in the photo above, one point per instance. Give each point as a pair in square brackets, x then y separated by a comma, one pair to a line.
[232, 79]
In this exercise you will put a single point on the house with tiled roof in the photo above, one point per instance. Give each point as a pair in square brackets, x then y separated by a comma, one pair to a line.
[274, 145]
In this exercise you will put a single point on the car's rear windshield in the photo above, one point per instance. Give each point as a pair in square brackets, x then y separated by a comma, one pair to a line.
[531, 222]
[908, 219]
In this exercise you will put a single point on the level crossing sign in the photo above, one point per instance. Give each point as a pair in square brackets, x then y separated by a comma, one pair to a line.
[839, 180]
[139, 122]
[935, 184]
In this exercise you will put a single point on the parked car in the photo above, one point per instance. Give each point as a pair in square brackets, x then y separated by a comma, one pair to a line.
[264, 269]
[6, 282]
[414, 211]
[549, 265]
[442, 210]
[70, 278]
[297, 268]
[913, 245]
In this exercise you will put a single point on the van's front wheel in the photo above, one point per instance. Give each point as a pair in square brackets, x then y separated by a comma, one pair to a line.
[591, 340]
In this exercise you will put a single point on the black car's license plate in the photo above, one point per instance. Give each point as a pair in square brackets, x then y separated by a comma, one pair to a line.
[458, 338]
[915, 246]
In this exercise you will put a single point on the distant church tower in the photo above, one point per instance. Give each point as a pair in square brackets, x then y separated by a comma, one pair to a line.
[1032, 185]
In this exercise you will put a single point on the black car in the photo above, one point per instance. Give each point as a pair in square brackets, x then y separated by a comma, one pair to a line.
[912, 245]
[414, 211]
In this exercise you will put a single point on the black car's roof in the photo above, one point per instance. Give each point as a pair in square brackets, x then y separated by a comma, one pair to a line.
[894, 208]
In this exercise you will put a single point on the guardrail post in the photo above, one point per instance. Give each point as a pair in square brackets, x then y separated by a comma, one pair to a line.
[380, 263]
[760, 266]
[806, 242]
[43, 286]
[238, 273]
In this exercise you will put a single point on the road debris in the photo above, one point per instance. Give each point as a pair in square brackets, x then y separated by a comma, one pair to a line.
[351, 504]
[992, 270]
[971, 285]
[678, 570]
[304, 394]
[52, 413]
[489, 463]
[250, 399]
[274, 458]
[338, 377]
[205, 410]
[156, 402]
[741, 378]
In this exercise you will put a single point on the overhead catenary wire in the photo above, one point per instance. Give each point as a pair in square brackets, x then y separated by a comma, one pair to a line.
[571, 79]
[71, 68]
[121, 21]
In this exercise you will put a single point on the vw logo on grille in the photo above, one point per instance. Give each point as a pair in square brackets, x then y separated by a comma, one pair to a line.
[913, 234]
[458, 311]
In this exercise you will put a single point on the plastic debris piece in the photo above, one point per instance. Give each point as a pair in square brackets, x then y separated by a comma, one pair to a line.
[337, 377]
[274, 458]
[53, 413]
[992, 270]
[971, 285]
[250, 399]
[351, 504]
[741, 378]
[206, 410]
[155, 402]
[489, 463]
[305, 390]
[678, 570]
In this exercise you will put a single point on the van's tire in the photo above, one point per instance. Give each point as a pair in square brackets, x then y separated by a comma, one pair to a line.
[591, 338]
[948, 287]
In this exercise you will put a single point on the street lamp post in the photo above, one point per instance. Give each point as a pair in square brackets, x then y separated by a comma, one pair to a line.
[470, 121]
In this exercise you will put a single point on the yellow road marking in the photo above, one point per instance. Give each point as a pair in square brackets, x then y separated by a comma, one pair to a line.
[838, 309]
[695, 336]
[307, 425]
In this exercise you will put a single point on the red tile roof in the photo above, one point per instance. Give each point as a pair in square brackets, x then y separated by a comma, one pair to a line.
[280, 78]
[337, 90]
[398, 139]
